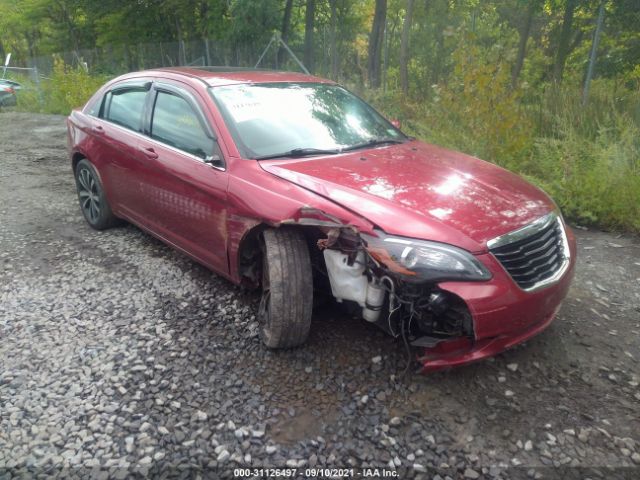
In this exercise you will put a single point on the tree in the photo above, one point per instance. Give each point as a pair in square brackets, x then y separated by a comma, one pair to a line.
[333, 39]
[523, 34]
[309, 25]
[284, 30]
[376, 38]
[594, 52]
[354, 40]
[564, 41]
[404, 48]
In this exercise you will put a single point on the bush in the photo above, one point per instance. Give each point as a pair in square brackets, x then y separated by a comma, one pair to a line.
[594, 180]
[68, 88]
[587, 157]
[479, 112]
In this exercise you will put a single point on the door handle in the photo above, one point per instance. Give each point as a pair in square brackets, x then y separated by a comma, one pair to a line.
[149, 152]
[97, 129]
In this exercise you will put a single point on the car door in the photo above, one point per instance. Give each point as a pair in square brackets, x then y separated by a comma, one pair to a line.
[183, 187]
[116, 128]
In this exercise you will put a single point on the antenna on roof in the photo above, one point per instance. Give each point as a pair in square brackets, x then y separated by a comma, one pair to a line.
[277, 40]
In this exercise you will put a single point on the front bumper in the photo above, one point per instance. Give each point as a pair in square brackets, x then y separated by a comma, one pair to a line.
[503, 314]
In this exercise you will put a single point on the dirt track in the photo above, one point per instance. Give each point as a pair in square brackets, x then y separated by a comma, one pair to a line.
[118, 354]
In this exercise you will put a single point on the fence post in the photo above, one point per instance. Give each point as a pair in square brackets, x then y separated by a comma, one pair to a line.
[182, 54]
[141, 63]
[206, 50]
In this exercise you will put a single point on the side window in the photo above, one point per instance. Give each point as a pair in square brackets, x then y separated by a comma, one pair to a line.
[175, 123]
[93, 108]
[125, 107]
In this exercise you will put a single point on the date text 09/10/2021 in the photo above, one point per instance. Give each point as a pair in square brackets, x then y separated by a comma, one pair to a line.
[315, 473]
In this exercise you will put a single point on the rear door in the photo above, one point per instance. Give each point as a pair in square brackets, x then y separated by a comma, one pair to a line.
[184, 184]
[116, 129]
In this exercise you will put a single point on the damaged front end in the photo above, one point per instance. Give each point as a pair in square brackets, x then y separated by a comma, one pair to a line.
[393, 282]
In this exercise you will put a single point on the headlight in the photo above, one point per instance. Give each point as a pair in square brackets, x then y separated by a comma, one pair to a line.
[422, 260]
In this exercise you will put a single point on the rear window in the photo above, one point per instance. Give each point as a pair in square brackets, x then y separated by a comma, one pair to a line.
[125, 107]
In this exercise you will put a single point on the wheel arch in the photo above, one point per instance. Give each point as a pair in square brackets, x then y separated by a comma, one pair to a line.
[75, 159]
[249, 253]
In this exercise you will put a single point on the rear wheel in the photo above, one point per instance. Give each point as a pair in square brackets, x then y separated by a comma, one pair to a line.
[93, 201]
[287, 289]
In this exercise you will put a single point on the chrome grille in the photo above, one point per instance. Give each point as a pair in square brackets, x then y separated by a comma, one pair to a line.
[535, 255]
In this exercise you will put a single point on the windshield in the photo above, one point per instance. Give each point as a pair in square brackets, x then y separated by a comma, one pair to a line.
[295, 119]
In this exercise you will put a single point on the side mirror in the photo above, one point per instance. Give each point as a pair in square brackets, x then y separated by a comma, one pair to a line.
[396, 123]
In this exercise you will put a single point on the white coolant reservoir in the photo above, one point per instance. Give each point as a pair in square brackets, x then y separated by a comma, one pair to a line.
[348, 282]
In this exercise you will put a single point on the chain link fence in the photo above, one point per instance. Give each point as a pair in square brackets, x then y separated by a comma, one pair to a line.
[43, 89]
[338, 61]
[118, 59]
[112, 60]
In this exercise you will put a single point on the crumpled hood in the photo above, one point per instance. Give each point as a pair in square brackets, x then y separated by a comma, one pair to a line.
[422, 191]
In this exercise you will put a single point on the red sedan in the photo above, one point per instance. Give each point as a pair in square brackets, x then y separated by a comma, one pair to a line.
[290, 183]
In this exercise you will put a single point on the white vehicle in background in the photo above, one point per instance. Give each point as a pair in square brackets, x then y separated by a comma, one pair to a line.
[8, 89]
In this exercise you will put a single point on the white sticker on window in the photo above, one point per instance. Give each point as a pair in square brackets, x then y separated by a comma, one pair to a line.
[241, 104]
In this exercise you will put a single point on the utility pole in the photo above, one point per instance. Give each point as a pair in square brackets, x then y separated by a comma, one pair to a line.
[592, 56]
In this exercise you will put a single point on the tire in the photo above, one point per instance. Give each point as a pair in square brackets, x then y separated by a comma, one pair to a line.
[93, 201]
[287, 289]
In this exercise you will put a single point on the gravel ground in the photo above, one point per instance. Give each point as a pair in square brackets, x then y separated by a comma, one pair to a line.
[121, 357]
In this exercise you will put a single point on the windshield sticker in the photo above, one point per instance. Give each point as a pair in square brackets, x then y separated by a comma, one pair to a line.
[241, 104]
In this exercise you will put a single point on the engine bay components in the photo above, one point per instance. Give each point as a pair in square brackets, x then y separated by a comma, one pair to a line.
[349, 282]
[402, 305]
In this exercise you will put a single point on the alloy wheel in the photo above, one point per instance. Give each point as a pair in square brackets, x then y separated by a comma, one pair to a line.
[89, 194]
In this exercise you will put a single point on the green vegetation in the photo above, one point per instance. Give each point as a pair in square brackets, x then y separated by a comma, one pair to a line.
[66, 89]
[501, 79]
[586, 157]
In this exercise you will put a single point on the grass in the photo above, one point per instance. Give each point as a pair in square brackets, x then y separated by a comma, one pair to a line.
[586, 157]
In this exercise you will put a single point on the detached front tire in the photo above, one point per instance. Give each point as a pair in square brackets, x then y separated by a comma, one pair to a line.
[287, 289]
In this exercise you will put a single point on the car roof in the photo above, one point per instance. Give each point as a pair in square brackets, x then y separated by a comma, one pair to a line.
[216, 76]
